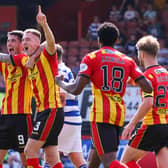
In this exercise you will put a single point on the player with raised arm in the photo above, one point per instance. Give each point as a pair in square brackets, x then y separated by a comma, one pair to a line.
[108, 70]
[50, 114]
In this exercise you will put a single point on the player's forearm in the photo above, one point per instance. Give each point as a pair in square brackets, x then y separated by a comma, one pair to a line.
[70, 88]
[143, 110]
[50, 39]
[5, 58]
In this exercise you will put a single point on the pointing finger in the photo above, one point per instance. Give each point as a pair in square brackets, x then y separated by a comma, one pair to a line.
[39, 9]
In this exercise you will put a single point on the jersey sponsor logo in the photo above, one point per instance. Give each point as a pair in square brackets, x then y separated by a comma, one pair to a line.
[83, 67]
[162, 111]
[161, 70]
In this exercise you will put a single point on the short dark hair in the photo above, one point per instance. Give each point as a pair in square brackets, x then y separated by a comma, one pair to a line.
[108, 33]
[59, 51]
[18, 33]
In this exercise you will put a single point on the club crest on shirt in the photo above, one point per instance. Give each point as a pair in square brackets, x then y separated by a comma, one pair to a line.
[83, 67]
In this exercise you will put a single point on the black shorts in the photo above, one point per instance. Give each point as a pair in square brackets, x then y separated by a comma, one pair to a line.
[48, 125]
[105, 137]
[14, 131]
[150, 138]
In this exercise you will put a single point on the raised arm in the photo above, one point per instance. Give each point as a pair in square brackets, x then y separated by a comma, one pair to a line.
[6, 58]
[50, 40]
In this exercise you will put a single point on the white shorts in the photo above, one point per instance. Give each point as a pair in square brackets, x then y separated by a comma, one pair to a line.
[69, 140]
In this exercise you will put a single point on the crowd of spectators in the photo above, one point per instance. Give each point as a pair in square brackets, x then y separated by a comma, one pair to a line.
[134, 18]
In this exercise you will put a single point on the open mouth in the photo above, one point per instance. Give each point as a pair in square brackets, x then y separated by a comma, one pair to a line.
[25, 49]
[11, 51]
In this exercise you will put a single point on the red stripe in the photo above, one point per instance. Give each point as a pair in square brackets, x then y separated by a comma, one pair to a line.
[21, 93]
[94, 110]
[48, 125]
[29, 124]
[166, 118]
[118, 115]
[96, 138]
[138, 137]
[53, 63]
[35, 90]
[106, 109]
[9, 100]
[86, 137]
[155, 117]
[5, 73]
[44, 83]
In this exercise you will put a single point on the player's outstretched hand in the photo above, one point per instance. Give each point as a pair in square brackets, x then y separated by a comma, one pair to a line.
[59, 79]
[126, 134]
[41, 17]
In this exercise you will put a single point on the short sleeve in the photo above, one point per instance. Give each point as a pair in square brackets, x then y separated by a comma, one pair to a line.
[19, 60]
[86, 67]
[136, 73]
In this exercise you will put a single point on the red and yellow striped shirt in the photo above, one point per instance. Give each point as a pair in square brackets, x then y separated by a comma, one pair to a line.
[18, 92]
[159, 79]
[42, 76]
[108, 71]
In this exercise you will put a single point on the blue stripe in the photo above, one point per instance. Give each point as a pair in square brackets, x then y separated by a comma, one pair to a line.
[72, 113]
[71, 102]
[66, 80]
[71, 123]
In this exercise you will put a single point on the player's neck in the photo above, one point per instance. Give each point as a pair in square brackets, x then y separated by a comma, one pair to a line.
[150, 62]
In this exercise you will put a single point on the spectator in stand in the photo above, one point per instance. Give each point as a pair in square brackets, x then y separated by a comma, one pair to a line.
[130, 45]
[130, 14]
[155, 28]
[163, 52]
[120, 44]
[114, 15]
[92, 30]
[150, 13]
[125, 3]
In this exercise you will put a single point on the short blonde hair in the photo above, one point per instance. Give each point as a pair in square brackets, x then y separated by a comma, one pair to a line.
[34, 31]
[149, 44]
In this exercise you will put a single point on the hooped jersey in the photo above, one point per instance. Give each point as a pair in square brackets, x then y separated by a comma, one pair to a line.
[159, 79]
[108, 70]
[42, 77]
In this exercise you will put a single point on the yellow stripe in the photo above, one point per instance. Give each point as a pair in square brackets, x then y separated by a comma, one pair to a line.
[39, 86]
[6, 95]
[113, 111]
[28, 93]
[41, 93]
[50, 78]
[59, 104]
[162, 118]
[15, 95]
[122, 107]
[98, 105]
[148, 119]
